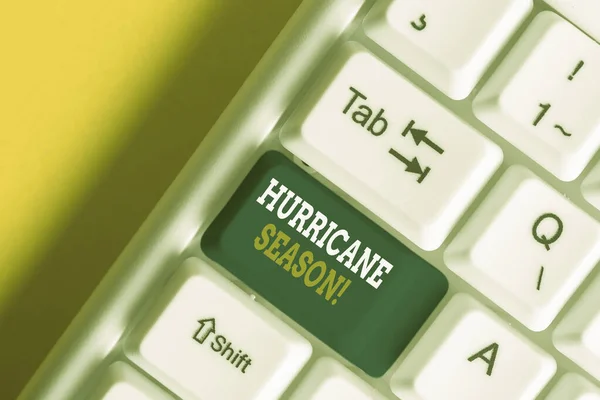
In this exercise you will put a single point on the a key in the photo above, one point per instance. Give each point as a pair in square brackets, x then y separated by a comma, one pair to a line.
[391, 147]
[469, 353]
[448, 42]
[573, 387]
[329, 380]
[324, 264]
[527, 248]
[122, 382]
[206, 339]
[576, 336]
[544, 97]
[583, 13]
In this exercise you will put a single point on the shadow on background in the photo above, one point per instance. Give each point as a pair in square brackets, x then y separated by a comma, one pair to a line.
[165, 135]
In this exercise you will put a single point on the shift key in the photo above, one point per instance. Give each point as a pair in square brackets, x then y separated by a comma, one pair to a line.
[324, 264]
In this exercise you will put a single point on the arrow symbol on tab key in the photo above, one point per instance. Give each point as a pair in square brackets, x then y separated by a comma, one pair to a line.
[420, 136]
[207, 326]
[412, 166]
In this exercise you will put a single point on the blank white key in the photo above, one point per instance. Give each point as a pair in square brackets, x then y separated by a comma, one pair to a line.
[527, 248]
[391, 147]
[470, 354]
[577, 334]
[122, 382]
[544, 97]
[206, 339]
[329, 380]
[573, 387]
[448, 42]
[583, 13]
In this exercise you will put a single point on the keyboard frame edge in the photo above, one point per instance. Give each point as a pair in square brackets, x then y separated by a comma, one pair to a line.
[194, 197]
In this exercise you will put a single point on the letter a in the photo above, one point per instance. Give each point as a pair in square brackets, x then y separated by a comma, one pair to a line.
[489, 361]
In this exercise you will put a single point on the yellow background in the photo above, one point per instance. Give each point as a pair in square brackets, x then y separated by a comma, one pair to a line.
[101, 104]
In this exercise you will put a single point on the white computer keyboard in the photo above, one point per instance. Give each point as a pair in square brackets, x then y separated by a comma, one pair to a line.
[403, 201]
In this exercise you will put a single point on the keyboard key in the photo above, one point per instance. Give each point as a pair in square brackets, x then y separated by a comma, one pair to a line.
[583, 13]
[527, 248]
[448, 42]
[470, 354]
[574, 387]
[207, 339]
[329, 380]
[324, 264]
[544, 97]
[121, 382]
[576, 336]
[391, 147]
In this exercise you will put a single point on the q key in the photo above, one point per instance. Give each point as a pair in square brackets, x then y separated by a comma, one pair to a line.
[547, 239]
[525, 255]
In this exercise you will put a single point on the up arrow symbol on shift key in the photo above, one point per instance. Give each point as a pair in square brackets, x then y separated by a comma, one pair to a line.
[207, 326]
